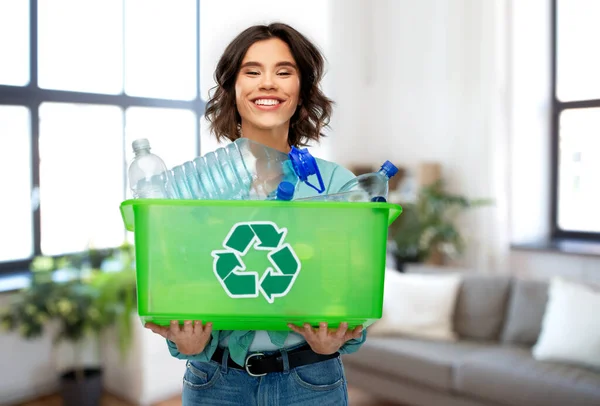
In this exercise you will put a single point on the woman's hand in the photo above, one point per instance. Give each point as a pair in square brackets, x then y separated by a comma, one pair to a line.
[191, 338]
[326, 340]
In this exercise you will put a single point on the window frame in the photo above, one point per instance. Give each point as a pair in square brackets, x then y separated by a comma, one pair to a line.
[557, 107]
[32, 96]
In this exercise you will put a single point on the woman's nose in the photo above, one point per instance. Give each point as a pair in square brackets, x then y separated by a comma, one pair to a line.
[267, 82]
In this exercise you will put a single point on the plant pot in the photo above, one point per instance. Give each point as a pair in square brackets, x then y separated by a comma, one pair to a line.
[402, 260]
[81, 388]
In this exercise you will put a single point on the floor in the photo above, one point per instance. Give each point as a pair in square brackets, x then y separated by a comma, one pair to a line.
[357, 398]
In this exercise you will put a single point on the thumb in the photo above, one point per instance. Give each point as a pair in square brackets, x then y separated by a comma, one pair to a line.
[155, 328]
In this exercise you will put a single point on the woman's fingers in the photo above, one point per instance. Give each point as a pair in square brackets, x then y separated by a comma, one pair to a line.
[202, 329]
[305, 331]
[174, 328]
[341, 331]
[188, 327]
[323, 329]
[308, 331]
[296, 328]
[354, 333]
[207, 328]
[155, 328]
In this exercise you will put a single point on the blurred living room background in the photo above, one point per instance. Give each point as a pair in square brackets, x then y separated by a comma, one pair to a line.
[490, 108]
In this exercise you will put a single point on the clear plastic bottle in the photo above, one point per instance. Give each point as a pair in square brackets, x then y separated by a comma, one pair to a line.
[147, 172]
[242, 170]
[374, 184]
[349, 196]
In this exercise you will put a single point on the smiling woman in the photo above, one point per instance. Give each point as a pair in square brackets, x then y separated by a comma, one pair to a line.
[268, 90]
[267, 93]
[271, 69]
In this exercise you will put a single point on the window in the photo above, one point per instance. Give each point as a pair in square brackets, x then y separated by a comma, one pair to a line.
[576, 119]
[79, 82]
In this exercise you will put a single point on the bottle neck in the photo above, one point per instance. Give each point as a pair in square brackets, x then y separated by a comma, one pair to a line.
[143, 151]
[384, 173]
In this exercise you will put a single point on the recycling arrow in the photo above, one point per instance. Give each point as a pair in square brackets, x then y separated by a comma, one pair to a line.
[275, 281]
[240, 238]
[228, 267]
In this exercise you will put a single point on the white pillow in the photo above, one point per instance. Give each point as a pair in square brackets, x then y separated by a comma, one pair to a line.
[571, 325]
[418, 305]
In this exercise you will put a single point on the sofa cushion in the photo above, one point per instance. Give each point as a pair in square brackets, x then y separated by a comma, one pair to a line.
[423, 361]
[510, 376]
[571, 325]
[418, 306]
[480, 306]
[525, 311]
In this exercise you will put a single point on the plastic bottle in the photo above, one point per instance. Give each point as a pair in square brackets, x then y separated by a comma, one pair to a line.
[375, 184]
[349, 196]
[242, 170]
[147, 172]
[285, 191]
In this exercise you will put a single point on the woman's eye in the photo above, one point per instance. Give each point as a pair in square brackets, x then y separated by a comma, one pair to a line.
[285, 73]
[252, 73]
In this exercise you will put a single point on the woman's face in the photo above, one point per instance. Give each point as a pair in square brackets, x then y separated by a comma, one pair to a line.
[267, 88]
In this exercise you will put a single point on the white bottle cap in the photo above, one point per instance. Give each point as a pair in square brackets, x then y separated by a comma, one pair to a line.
[141, 143]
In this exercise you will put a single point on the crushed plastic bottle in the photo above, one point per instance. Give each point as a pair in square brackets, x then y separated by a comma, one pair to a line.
[375, 184]
[242, 170]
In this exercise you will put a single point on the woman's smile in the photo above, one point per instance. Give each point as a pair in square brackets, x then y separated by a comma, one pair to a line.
[267, 103]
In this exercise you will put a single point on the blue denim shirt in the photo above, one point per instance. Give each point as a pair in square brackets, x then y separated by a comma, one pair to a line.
[239, 342]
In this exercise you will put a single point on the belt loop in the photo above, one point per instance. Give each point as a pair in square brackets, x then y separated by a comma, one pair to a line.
[224, 360]
[285, 360]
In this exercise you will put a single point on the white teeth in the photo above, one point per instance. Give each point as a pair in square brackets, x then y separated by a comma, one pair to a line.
[266, 102]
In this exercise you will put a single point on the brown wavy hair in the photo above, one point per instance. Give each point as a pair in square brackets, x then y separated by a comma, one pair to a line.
[315, 108]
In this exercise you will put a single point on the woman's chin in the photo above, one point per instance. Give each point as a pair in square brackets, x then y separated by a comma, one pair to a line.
[268, 125]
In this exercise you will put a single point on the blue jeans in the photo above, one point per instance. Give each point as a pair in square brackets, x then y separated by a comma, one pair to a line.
[213, 383]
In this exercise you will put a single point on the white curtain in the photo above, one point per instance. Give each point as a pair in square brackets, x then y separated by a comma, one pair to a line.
[478, 93]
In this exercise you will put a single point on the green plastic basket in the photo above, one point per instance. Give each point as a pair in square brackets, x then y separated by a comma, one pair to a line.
[258, 265]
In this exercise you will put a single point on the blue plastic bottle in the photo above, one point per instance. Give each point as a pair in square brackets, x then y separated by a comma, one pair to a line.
[375, 184]
[285, 191]
[242, 170]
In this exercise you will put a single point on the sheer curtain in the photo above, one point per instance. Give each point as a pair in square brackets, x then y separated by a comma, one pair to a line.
[478, 41]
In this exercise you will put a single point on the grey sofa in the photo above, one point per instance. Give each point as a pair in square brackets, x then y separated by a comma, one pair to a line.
[498, 320]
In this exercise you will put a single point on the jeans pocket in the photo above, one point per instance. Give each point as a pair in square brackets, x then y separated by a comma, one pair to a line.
[320, 376]
[201, 375]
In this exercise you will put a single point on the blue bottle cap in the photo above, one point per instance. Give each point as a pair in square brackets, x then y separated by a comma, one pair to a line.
[389, 169]
[379, 199]
[285, 191]
[305, 165]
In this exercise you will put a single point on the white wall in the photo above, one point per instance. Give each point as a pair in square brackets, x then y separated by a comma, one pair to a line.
[27, 368]
[465, 83]
[428, 82]
[530, 110]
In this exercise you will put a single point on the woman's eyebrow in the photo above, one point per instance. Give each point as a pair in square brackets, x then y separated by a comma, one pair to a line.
[286, 63]
[260, 65]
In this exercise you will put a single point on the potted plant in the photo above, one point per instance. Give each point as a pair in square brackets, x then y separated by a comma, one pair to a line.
[426, 231]
[75, 303]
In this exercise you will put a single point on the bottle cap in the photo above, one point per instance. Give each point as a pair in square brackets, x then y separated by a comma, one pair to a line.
[140, 143]
[379, 199]
[389, 169]
[305, 165]
[285, 190]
